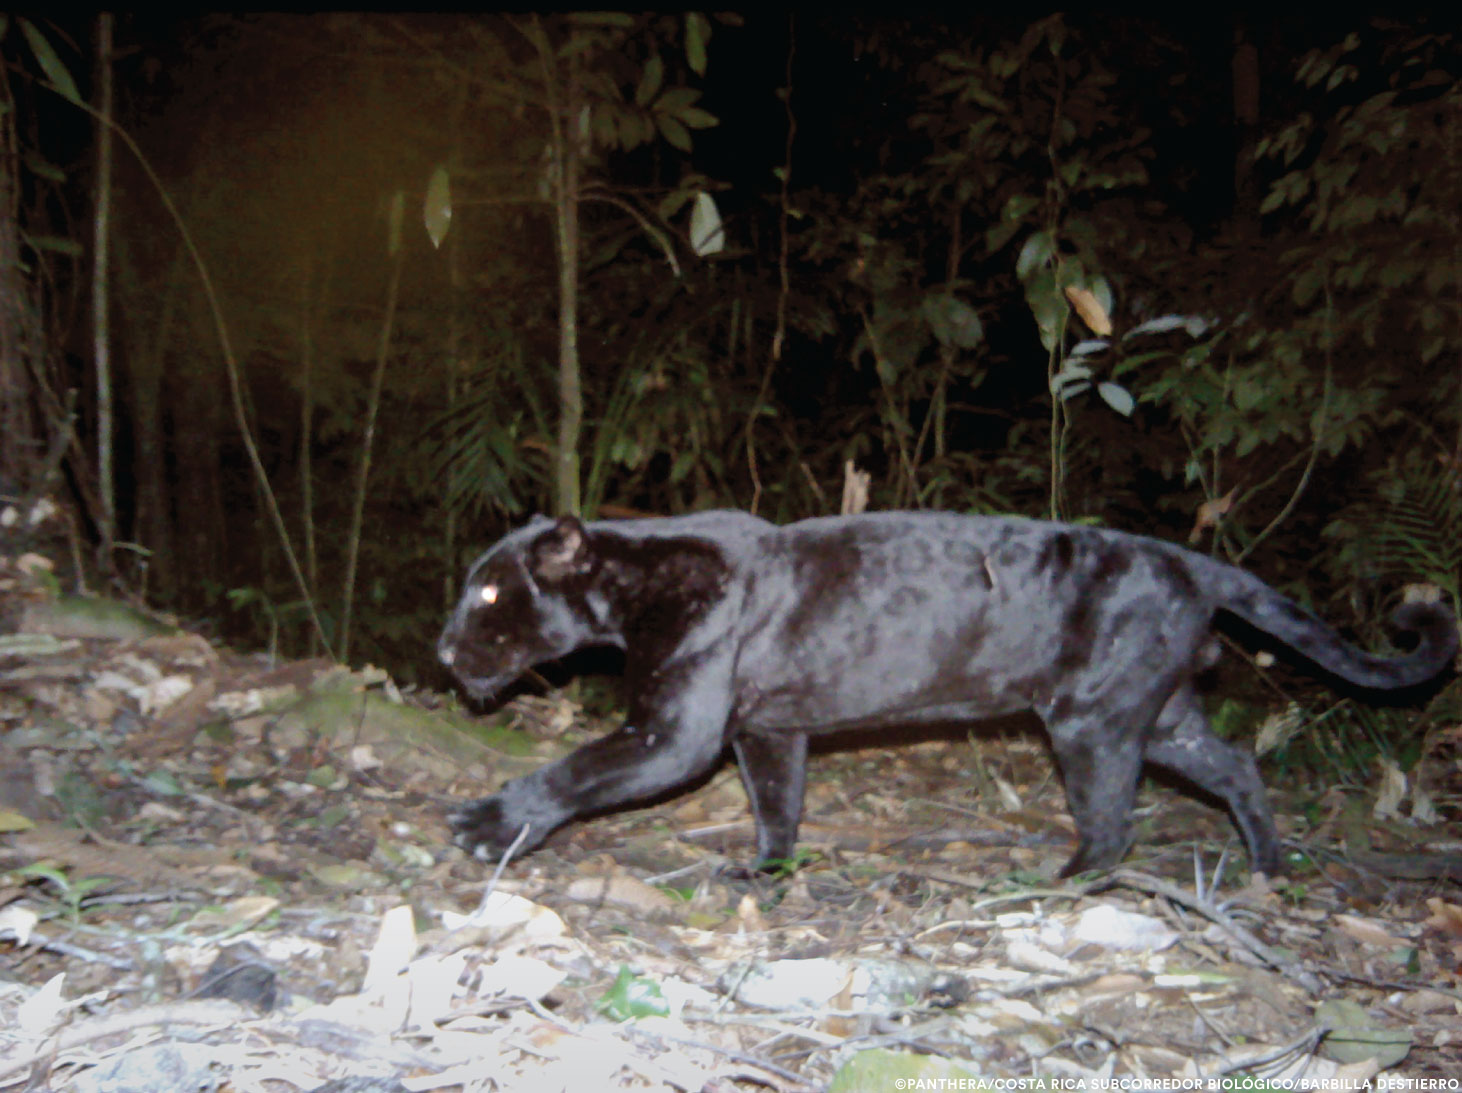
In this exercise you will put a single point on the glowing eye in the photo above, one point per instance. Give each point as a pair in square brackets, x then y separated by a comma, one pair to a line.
[488, 593]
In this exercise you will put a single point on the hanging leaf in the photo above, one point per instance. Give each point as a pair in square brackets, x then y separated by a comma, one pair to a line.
[437, 209]
[1117, 397]
[954, 322]
[1090, 309]
[674, 201]
[45, 169]
[394, 216]
[1048, 306]
[50, 64]
[1072, 380]
[675, 133]
[650, 81]
[1035, 254]
[603, 19]
[1012, 218]
[696, 118]
[58, 243]
[676, 100]
[707, 235]
[697, 34]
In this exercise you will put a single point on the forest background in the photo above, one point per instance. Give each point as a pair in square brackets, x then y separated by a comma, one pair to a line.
[375, 288]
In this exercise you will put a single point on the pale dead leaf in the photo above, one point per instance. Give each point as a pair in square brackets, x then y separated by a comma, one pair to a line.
[1445, 918]
[1391, 793]
[519, 977]
[750, 915]
[236, 913]
[619, 889]
[1090, 309]
[1009, 797]
[395, 945]
[1367, 931]
[1210, 513]
[17, 921]
[506, 911]
[1113, 928]
[40, 1012]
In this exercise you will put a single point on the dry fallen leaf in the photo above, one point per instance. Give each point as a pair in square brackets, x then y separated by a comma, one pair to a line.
[1445, 918]
[1367, 931]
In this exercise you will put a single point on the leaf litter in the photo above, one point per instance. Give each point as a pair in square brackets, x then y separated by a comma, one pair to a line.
[219, 872]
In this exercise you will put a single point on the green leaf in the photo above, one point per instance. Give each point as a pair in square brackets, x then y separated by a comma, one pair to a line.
[633, 996]
[603, 19]
[1034, 255]
[50, 64]
[676, 100]
[1117, 397]
[58, 243]
[651, 80]
[697, 34]
[954, 322]
[1353, 1036]
[696, 118]
[673, 202]
[673, 131]
[1048, 306]
[163, 783]
[602, 126]
[1012, 219]
[44, 168]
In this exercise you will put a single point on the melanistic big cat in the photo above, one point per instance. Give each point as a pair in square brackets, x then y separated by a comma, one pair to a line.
[739, 632]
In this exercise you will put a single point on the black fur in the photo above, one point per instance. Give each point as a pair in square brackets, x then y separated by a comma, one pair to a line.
[739, 632]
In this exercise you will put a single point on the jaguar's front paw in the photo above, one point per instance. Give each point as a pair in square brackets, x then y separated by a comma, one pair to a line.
[483, 828]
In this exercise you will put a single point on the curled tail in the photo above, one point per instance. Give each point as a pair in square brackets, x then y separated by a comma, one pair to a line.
[1255, 603]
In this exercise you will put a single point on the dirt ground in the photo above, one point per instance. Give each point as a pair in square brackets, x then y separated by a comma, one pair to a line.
[222, 873]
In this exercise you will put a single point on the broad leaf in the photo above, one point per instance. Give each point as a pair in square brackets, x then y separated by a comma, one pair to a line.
[673, 131]
[437, 209]
[1035, 254]
[697, 34]
[707, 236]
[1117, 397]
[954, 322]
[650, 81]
[50, 64]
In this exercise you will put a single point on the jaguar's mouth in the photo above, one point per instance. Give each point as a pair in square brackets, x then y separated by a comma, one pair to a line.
[484, 688]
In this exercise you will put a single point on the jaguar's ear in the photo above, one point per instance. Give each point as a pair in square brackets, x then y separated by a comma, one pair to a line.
[561, 551]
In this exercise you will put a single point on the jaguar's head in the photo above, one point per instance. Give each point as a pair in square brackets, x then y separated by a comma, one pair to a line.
[526, 601]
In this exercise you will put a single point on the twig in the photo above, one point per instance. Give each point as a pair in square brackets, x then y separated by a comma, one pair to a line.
[784, 287]
[65, 948]
[1141, 882]
[734, 1056]
[170, 1014]
[498, 872]
[1306, 1044]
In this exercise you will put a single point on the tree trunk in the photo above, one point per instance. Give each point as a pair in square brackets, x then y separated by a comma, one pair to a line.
[16, 457]
[570, 388]
[101, 331]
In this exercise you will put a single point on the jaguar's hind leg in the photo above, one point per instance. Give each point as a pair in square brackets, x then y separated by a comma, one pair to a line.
[1183, 743]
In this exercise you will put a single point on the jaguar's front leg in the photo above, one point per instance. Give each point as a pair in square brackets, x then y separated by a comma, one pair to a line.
[664, 747]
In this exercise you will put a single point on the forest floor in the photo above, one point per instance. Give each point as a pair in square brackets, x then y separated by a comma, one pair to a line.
[222, 873]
